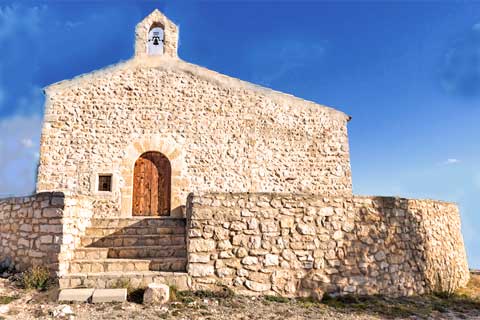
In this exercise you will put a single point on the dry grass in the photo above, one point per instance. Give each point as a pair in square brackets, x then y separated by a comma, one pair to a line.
[223, 304]
[462, 302]
[473, 288]
[37, 277]
[7, 299]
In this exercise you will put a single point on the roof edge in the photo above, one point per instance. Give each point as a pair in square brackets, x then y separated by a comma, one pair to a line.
[167, 62]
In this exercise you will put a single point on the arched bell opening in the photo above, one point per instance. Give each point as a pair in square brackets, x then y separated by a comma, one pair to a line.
[155, 40]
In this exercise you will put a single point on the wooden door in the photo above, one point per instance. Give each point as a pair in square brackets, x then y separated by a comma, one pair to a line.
[151, 185]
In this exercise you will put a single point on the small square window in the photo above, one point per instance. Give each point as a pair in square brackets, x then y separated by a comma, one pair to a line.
[105, 182]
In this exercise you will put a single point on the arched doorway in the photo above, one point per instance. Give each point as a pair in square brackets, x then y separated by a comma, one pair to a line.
[151, 185]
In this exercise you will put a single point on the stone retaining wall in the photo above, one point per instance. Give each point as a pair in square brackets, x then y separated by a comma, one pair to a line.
[41, 229]
[303, 245]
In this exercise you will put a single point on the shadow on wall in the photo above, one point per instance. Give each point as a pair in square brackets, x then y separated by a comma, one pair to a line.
[31, 232]
[397, 247]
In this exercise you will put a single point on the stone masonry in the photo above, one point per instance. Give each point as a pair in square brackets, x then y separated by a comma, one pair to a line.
[291, 244]
[219, 133]
[255, 184]
[42, 229]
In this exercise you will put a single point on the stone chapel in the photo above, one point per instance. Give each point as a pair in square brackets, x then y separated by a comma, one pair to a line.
[158, 170]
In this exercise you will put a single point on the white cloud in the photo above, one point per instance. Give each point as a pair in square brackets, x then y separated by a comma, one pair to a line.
[27, 142]
[476, 27]
[14, 18]
[18, 161]
[460, 68]
[451, 161]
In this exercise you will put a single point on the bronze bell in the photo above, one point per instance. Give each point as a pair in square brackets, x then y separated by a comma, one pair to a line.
[156, 41]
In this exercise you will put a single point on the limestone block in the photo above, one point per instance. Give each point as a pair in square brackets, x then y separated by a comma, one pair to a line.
[337, 235]
[225, 272]
[26, 227]
[268, 226]
[249, 260]
[326, 211]
[52, 213]
[270, 260]
[201, 245]
[257, 286]
[51, 228]
[306, 229]
[200, 270]
[156, 294]
[380, 255]
[224, 245]
[109, 295]
[242, 252]
[287, 222]
[200, 258]
[75, 295]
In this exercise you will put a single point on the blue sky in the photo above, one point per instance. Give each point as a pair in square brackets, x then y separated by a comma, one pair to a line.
[408, 74]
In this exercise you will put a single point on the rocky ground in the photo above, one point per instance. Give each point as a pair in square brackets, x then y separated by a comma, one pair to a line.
[17, 303]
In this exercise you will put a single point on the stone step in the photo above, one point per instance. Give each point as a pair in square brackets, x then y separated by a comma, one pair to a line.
[128, 265]
[139, 279]
[106, 231]
[139, 222]
[132, 240]
[140, 252]
[168, 264]
[109, 265]
[91, 253]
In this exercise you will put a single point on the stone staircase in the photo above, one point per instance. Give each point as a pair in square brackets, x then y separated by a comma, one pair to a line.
[130, 251]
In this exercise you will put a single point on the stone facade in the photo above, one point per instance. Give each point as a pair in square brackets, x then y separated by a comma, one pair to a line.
[264, 177]
[220, 133]
[43, 229]
[297, 245]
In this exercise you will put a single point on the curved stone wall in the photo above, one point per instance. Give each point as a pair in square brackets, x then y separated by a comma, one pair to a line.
[301, 245]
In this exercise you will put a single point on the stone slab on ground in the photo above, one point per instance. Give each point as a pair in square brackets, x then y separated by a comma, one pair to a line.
[75, 295]
[109, 295]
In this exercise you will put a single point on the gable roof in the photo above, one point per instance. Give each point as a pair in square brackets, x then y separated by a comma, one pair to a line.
[170, 61]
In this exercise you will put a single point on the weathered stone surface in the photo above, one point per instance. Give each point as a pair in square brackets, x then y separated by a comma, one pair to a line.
[250, 260]
[162, 103]
[202, 245]
[219, 134]
[200, 270]
[271, 260]
[256, 286]
[306, 229]
[75, 295]
[202, 258]
[109, 295]
[380, 256]
[27, 239]
[156, 293]
[336, 245]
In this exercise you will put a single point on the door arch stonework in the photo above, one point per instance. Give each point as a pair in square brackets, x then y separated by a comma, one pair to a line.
[179, 181]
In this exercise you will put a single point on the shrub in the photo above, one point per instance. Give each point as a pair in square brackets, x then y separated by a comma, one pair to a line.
[37, 277]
